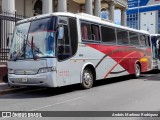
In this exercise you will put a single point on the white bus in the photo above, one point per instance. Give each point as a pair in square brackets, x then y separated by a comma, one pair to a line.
[155, 43]
[61, 49]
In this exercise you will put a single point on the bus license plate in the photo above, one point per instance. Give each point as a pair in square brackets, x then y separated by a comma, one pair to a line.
[24, 80]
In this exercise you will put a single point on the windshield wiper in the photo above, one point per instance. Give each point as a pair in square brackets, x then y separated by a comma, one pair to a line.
[32, 49]
[19, 53]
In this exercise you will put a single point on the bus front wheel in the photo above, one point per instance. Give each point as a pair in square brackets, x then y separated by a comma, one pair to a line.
[87, 78]
[137, 70]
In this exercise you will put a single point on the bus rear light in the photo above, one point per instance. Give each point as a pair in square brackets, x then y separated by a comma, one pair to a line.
[144, 59]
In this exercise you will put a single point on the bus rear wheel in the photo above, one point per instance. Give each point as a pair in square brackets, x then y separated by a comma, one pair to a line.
[87, 78]
[137, 70]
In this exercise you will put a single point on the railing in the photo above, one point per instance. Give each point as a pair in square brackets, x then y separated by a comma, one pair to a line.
[4, 55]
[7, 23]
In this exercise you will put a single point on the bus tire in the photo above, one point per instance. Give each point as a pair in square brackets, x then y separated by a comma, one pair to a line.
[137, 70]
[87, 78]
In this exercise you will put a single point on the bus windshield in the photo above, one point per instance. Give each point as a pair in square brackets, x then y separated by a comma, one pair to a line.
[35, 39]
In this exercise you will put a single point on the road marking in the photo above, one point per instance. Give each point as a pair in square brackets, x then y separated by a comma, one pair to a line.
[58, 103]
[147, 75]
[69, 100]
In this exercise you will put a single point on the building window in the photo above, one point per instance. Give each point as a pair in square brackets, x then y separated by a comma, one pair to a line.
[132, 21]
[38, 7]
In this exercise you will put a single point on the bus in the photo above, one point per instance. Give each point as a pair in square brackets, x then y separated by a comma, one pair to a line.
[155, 45]
[62, 48]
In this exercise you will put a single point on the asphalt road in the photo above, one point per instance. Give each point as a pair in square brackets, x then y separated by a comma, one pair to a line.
[116, 94]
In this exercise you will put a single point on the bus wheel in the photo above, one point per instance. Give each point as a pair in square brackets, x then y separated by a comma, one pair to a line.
[87, 78]
[137, 70]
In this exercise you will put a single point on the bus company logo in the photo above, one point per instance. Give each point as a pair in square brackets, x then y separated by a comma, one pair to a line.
[24, 72]
[6, 114]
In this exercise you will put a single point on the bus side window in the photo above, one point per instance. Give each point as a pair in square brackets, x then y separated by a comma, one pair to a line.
[84, 32]
[143, 41]
[64, 51]
[122, 36]
[158, 48]
[148, 41]
[134, 39]
[108, 34]
[95, 32]
[73, 35]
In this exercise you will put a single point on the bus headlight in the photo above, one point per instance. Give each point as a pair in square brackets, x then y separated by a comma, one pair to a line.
[10, 71]
[46, 69]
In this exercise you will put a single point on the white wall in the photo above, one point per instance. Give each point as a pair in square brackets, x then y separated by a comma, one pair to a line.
[25, 8]
[148, 21]
[73, 7]
[29, 5]
[152, 2]
[19, 6]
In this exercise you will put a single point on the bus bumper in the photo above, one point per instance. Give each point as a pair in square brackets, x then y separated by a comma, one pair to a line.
[39, 80]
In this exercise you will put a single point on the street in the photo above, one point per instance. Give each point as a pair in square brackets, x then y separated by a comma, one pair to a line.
[116, 94]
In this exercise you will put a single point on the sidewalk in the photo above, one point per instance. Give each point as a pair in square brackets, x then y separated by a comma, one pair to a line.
[3, 72]
[3, 85]
[5, 89]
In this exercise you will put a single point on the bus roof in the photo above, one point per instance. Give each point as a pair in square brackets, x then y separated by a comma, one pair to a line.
[85, 17]
[157, 35]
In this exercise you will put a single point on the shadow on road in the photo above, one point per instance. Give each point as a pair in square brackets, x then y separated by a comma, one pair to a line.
[112, 80]
[152, 75]
[47, 92]
[33, 92]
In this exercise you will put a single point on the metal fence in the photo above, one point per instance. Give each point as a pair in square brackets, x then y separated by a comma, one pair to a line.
[7, 23]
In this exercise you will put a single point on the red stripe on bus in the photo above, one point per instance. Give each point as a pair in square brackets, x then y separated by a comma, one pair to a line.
[119, 62]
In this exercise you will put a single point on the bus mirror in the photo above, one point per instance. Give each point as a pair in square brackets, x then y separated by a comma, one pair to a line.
[60, 33]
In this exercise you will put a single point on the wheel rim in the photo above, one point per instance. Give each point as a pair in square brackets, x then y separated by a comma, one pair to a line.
[87, 79]
[137, 70]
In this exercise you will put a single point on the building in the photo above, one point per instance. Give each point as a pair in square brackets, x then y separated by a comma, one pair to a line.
[34, 7]
[144, 14]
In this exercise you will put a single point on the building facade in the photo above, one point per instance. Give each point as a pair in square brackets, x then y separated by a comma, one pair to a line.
[34, 7]
[144, 14]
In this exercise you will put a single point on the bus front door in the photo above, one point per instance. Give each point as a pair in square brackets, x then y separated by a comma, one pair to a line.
[63, 55]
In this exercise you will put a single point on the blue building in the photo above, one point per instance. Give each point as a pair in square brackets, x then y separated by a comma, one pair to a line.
[144, 14]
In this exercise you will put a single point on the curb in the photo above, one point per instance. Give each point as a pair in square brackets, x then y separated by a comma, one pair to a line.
[2, 84]
[11, 90]
[7, 90]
